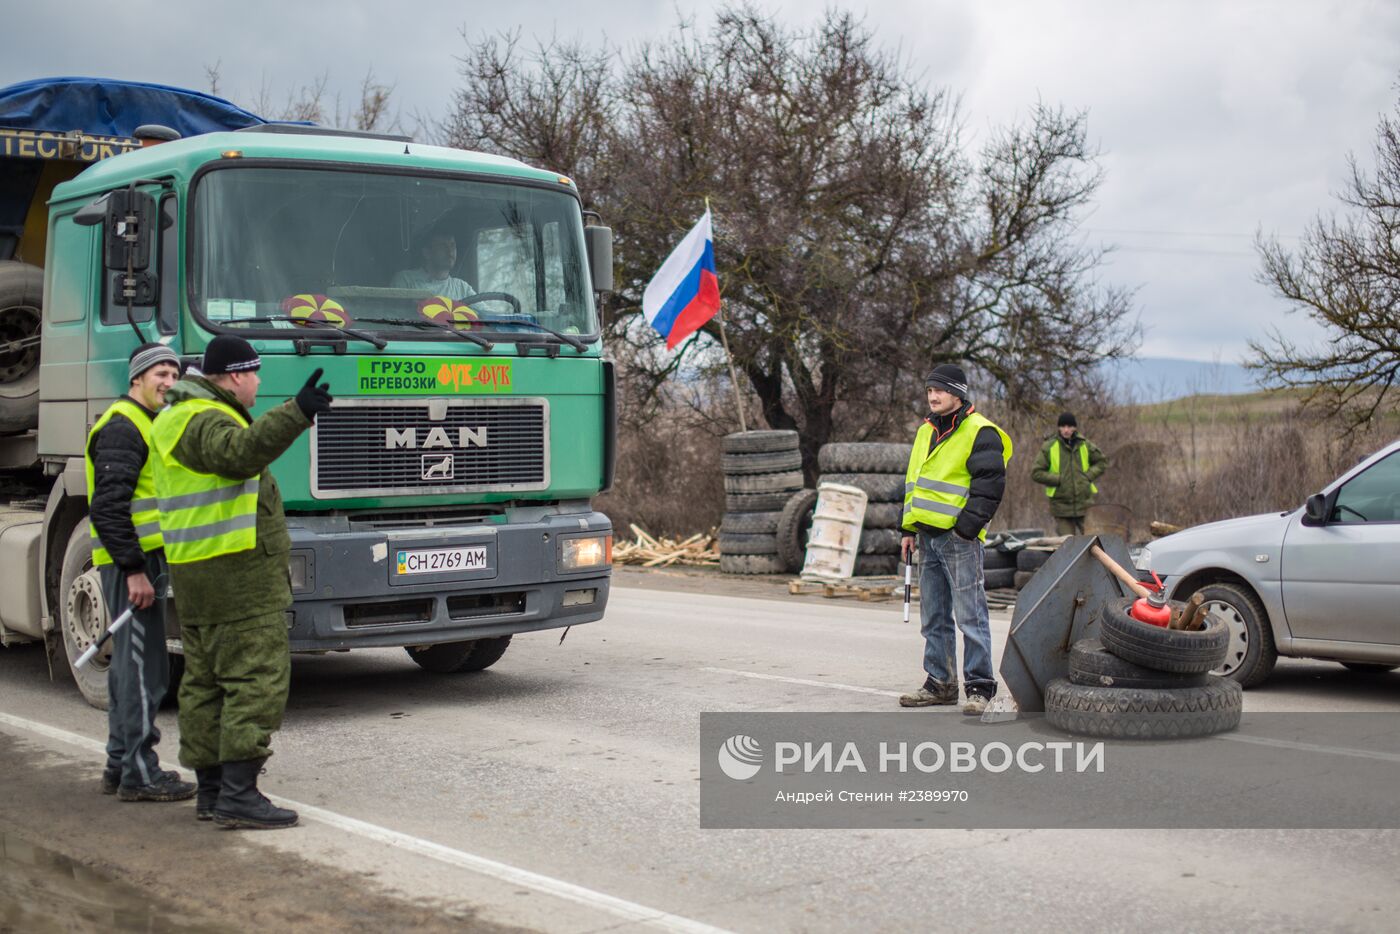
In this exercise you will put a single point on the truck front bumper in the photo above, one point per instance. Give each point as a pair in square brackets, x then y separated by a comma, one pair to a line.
[349, 590]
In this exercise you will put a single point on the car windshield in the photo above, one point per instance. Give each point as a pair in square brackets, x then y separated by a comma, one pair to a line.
[369, 250]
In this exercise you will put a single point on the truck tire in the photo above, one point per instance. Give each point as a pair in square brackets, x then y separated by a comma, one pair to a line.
[794, 522]
[84, 616]
[883, 515]
[1092, 664]
[740, 464]
[1139, 713]
[1250, 655]
[763, 482]
[745, 543]
[21, 298]
[879, 542]
[454, 657]
[757, 502]
[1174, 650]
[880, 487]
[876, 565]
[994, 559]
[759, 442]
[765, 523]
[998, 578]
[1022, 578]
[751, 564]
[867, 457]
[1031, 559]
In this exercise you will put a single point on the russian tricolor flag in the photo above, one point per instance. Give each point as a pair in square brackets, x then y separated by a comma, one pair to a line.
[684, 293]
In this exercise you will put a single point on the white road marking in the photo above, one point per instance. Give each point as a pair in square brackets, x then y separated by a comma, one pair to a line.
[854, 688]
[618, 907]
[1311, 747]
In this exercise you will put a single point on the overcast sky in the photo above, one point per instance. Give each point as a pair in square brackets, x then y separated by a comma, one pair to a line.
[1217, 118]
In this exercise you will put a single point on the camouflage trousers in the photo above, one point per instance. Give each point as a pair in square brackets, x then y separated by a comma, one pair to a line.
[234, 690]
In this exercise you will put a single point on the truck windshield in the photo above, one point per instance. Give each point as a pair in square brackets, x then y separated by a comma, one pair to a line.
[369, 250]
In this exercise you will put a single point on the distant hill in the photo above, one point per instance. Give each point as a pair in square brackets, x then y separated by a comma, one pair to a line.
[1159, 379]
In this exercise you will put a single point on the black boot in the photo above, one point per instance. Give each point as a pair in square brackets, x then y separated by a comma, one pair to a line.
[210, 782]
[242, 806]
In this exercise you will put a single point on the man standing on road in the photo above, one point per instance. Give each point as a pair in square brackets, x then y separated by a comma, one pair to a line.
[127, 551]
[955, 481]
[1067, 467]
[227, 543]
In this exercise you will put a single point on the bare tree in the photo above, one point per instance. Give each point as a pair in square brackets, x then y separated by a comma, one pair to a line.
[373, 112]
[1345, 275]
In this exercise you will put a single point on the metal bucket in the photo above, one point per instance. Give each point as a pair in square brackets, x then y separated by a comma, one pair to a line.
[835, 537]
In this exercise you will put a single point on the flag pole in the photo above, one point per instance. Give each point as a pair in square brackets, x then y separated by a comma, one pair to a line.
[729, 357]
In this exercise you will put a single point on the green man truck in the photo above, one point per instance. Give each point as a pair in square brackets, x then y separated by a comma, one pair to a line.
[443, 504]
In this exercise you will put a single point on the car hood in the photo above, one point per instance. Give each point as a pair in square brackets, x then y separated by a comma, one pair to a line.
[1251, 534]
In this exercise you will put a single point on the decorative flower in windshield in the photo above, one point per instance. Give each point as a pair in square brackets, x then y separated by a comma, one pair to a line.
[445, 310]
[309, 310]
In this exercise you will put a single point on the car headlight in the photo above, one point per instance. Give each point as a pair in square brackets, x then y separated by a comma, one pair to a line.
[1143, 561]
[585, 551]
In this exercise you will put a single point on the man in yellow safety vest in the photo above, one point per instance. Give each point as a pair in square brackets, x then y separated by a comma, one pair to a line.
[129, 555]
[1067, 467]
[954, 483]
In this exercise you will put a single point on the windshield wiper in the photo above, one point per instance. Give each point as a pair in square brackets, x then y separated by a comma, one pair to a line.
[464, 335]
[569, 339]
[378, 342]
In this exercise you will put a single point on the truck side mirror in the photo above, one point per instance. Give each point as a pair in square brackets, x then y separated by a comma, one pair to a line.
[129, 228]
[598, 241]
[1315, 511]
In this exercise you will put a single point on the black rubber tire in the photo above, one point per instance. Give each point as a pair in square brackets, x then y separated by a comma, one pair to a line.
[757, 502]
[759, 442]
[454, 657]
[1023, 578]
[752, 564]
[794, 522]
[83, 616]
[763, 482]
[1157, 647]
[1369, 668]
[1031, 559]
[863, 457]
[879, 542]
[748, 523]
[879, 487]
[1092, 664]
[996, 560]
[746, 543]
[21, 301]
[741, 464]
[883, 515]
[877, 565]
[999, 579]
[1250, 655]
[1139, 713]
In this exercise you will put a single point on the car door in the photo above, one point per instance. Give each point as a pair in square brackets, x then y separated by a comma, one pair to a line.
[1341, 580]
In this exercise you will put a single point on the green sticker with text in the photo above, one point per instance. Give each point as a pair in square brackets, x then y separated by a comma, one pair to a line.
[434, 376]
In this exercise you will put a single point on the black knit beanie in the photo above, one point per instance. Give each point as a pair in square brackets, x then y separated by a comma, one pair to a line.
[229, 353]
[1067, 418]
[948, 376]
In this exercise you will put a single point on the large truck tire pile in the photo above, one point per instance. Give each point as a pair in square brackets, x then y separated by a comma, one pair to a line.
[762, 472]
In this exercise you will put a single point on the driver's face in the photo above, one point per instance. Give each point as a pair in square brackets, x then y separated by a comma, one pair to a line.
[440, 255]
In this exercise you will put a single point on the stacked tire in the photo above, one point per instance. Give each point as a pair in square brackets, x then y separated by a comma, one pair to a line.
[1139, 681]
[762, 472]
[878, 470]
[1000, 563]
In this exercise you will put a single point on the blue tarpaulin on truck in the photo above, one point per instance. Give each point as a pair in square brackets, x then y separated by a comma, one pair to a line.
[106, 107]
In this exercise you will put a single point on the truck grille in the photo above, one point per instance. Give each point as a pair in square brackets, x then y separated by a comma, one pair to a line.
[372, 446]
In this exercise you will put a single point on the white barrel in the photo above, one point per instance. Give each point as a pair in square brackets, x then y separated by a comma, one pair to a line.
[835, 537]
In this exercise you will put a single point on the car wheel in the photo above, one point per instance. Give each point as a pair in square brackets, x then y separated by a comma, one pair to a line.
[1368, 668]
[1250, 655]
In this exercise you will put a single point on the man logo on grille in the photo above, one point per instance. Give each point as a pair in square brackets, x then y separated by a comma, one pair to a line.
[438, 466]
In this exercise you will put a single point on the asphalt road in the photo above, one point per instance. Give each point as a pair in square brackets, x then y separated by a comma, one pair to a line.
[559, 790]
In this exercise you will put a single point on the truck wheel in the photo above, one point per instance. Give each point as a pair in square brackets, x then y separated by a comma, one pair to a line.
[1140, 713]
[1174, 650]
[21, 297]
[1250, 654]
[794, 522]
[759, 442]
[879, 487]
[453, 657]
[84, 616]
[863, 457]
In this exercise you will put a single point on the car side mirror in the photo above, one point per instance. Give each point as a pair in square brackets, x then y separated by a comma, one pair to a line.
[1316, 511]
[599, 243]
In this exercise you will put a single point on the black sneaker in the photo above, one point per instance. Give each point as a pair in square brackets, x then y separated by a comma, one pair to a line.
[111, 780]
[166, 787]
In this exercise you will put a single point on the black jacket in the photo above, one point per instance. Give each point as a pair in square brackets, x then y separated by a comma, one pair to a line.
[988, 470]
[118, 454]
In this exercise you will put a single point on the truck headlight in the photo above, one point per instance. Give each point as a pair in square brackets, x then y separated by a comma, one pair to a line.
[299, 571]
[585, 551]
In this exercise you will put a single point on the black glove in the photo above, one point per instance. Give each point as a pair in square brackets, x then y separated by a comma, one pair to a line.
[313, 399]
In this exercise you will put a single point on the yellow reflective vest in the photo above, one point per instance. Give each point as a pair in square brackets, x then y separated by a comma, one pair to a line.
[144, 515]
[1055, 466]
[202, 515]
[937, 483]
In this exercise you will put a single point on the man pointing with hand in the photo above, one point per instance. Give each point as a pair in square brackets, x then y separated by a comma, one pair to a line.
[226, 543]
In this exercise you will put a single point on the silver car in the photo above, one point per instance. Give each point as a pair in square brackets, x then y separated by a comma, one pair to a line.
[1321, 581]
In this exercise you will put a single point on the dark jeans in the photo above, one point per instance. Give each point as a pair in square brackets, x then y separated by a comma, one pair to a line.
[137, 678]
[952, 595]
